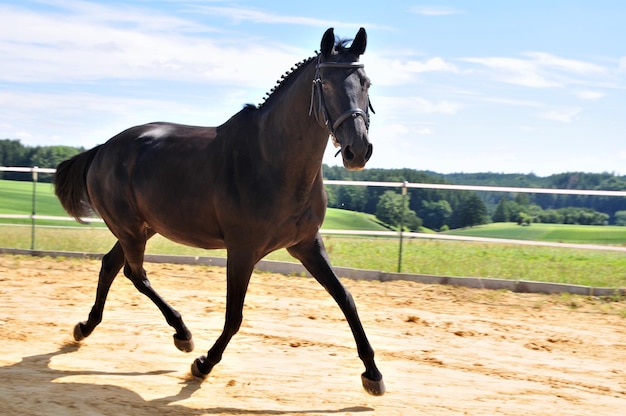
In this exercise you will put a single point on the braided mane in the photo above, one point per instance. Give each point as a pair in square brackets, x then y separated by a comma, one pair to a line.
[340, 47]
[284, 79]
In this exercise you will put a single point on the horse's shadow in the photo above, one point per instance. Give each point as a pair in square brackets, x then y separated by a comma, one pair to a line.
[31, 387]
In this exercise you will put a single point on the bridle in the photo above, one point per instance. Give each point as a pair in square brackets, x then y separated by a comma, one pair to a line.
[316, 91]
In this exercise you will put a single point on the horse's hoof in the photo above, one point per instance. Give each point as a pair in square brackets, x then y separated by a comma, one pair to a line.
[375, 388]
[195, 370]
[185, 345]
[78, 333]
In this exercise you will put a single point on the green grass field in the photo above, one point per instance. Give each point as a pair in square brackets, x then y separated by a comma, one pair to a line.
[448, 258]
[452, 258]
[17, 198]
[566, 233]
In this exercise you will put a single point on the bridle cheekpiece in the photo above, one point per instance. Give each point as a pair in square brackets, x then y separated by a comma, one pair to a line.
[316, 92]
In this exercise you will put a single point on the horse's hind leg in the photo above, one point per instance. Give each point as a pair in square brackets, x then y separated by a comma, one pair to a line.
[112, 262]
[134, 271]
[315, 259]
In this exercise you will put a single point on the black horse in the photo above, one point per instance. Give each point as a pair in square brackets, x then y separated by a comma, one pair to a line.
[252, 185]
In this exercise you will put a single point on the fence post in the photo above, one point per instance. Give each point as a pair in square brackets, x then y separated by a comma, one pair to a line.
[404, 192]
[34, 211]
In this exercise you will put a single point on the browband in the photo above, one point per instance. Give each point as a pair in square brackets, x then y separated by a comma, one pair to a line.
[339, 65]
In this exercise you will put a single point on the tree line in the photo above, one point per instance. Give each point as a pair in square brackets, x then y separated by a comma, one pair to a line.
[13, 153]
[549, 208]
[437, 209]
[440, 209]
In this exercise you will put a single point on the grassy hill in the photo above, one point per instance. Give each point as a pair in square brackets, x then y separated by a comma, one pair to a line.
[341, 219]
[567, 233]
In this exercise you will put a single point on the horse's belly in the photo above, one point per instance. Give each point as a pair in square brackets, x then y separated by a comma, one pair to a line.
[197, 238]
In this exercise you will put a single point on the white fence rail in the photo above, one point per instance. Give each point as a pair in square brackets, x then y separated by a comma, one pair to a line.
[34, 169]
[506, 189]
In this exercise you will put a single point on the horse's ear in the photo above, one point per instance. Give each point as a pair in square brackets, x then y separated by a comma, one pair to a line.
[359, 43]
[328, 42]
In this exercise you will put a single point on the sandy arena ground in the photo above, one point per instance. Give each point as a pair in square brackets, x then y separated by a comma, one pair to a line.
[442, 350]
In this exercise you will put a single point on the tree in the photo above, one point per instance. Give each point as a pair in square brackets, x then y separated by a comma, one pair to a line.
[620, 218]
[551, 216]
[353, 198]
[502, 212]
[472, 212]
[51, 156]
[13, 153]
[524, 219]
[390, 209]
[534, 211]
[435, 214]
[412, 222]
[522, 199]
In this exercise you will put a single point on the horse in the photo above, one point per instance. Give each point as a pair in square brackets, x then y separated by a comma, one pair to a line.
[251, 186]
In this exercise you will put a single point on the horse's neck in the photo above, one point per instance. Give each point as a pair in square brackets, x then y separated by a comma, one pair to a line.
[289, 131]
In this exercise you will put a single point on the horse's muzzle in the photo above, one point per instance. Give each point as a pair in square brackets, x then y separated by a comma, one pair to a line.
[355, 159]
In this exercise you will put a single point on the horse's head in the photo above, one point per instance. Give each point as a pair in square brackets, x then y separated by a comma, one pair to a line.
[341, 92]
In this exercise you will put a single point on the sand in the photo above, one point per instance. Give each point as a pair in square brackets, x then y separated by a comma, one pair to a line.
[443, 350]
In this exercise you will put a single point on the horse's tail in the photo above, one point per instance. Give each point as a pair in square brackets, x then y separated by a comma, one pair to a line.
[70, 184]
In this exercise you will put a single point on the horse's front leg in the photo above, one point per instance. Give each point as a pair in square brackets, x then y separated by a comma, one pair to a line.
[313, 256]
[239, 266]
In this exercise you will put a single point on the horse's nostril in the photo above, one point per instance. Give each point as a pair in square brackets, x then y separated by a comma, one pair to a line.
[347, 154]
[370, 149]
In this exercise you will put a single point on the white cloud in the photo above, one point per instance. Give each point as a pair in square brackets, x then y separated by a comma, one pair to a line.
[589, 95]
[513, 102]
[412, 105]
[241, 14]
[395, 130]
[424, 131]
[387, 71]
[435, 11]
[87, 119]
[527, 129]
[126, 15]
[435, 64]
[119, 44]
[244, 14]
[514, 71]
[542, 59]
[561, 115]
[539, 70]
[399, 129]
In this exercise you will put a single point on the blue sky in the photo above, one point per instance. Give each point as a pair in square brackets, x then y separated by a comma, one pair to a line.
[458, 86]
